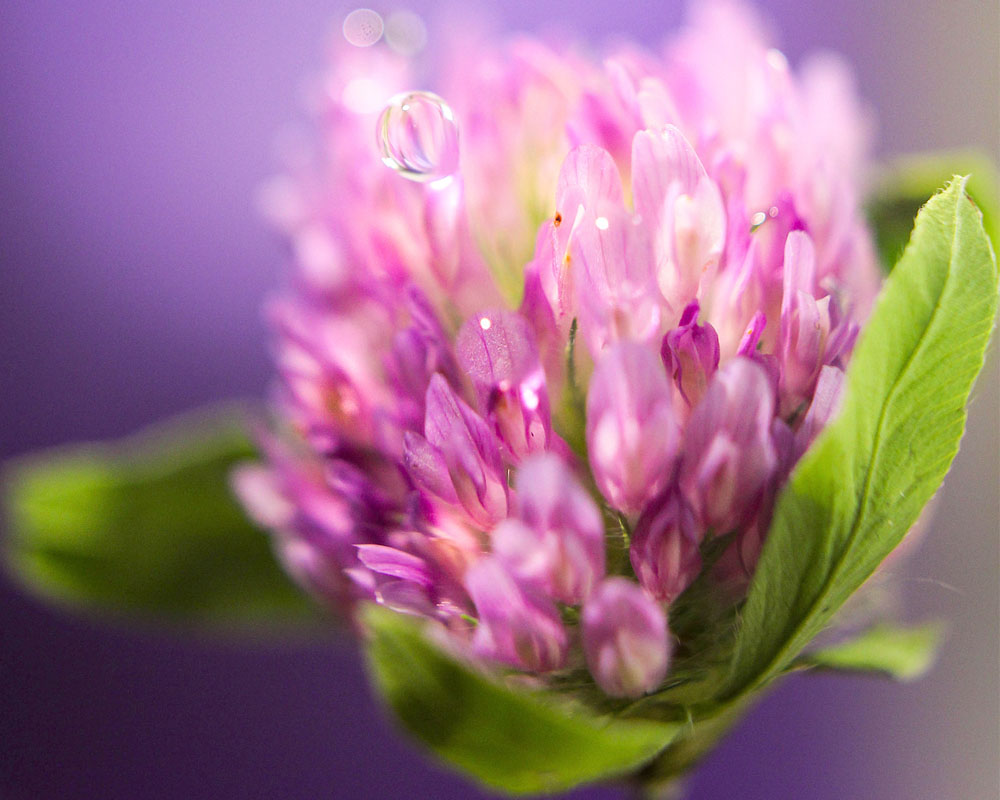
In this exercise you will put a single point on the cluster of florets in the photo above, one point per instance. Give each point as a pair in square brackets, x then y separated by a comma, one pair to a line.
[617, 325]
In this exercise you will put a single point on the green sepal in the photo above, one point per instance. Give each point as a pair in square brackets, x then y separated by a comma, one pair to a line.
[904, 185]
[514, 739]
[902, 653]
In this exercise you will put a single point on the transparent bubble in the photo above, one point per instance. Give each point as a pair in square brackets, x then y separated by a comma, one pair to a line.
[363, 27]
[418, 137]
[777, 61]
[405, 32]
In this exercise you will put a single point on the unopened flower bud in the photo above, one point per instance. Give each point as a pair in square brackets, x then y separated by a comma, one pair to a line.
[632, 433]
[625, 639]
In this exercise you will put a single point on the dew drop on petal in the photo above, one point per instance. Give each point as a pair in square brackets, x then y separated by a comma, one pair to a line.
[418, 137]
[602, 223]
[777, 61]
[363, 27]
[485, 323]
[758, 219]
[529, 397]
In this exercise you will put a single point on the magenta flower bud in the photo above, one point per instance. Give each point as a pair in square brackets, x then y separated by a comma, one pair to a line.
[690, 352]
[458, 458]
[615, 281]
[537, 310]
[588, 177]
[751, 336]
[824, 406]
[497, 350]
[728, 452]
[749, 347]
[314, 530]
[326, 390]
[259, 490]
[625, 639]
[632, 434]
[407, 582]
[805, 323]
[396, 564]
[400, 580]
[556, 542]
[683, 207]
[588, 180]
[664, 550]
[515, 626]
[418, 351]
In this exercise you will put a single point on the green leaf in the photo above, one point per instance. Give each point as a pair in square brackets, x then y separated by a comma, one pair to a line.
[148, 526]
[863, 483]
[907, 182]
[514, 740]
[901, 653]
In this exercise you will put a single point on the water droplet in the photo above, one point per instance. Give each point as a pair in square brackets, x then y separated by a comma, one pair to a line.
[776, 60]
[758, 219]
[363, 27]
[602, 223]
[529, 397]
[418, 137]
[772, 211]
[485, 323]
[405, 33]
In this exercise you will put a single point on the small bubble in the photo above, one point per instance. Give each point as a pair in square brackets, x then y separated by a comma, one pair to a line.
[776, 60]
[418, 137]
[772, 211]
[363, 27]
[529, 397]
[405, 32]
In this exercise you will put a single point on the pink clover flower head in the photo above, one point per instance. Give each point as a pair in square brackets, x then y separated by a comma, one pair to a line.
[613, 318]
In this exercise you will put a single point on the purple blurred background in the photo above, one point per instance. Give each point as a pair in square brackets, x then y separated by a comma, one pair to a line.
[133, 266]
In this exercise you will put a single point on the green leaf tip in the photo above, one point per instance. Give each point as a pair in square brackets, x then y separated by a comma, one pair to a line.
[147, 527]
[514, 740]
[858, 490]
[904, 654]
[906, 183]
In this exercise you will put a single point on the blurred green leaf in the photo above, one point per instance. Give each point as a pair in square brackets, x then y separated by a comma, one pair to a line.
[863, 483]
[906, 183]
[514, 740]
[148, 526]
[901, 653]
